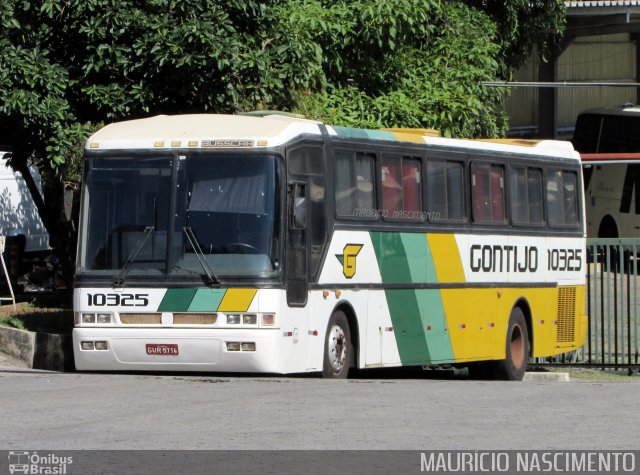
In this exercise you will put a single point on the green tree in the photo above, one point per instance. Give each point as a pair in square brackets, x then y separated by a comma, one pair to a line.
[403, 63]
[66, 66]
[521, 25]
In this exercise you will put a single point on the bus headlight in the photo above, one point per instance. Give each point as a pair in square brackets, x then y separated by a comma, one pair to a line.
[88, 318]
[103, 318]
[233, 319]
[250, 319]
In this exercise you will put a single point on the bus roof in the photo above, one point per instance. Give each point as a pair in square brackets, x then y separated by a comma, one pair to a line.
[621, 110]
[205, 130]
[272, 129]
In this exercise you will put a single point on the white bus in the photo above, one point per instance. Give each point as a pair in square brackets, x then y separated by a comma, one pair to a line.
[282, 245]
[609, 141]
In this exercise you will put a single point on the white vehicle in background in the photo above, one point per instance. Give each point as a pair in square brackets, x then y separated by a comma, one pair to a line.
[608, 140]
[18, 212]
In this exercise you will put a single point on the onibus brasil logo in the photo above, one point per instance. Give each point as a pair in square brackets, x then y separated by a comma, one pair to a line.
[32, 462]
[348, 259]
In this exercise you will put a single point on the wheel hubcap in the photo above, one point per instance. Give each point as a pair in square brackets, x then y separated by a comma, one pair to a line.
[337, 348]
[517, 346]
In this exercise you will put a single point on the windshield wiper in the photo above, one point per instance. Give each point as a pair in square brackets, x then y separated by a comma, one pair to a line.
[213, 280]
[119, 280]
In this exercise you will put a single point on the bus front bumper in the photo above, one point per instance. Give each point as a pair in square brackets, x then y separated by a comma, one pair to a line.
[172, 349]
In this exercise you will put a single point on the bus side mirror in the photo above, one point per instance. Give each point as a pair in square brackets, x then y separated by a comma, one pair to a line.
[298, 206]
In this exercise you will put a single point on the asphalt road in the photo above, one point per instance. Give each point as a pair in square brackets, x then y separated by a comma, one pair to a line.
[71, 411]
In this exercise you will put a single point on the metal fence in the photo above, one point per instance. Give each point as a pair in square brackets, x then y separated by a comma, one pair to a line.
[613, 296]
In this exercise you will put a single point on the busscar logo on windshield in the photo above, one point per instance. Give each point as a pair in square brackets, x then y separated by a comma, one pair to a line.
[348, 259]
[227, 143]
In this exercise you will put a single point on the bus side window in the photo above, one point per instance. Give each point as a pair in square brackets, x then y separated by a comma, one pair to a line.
[518, 195]
[354, 184]
[306, 164]
[401, 187]
[445, 198]
[525, 193]
[562, 198]
[587, 133]
[487, 196]
[391, 186]
[534, 189]
[411, 185]
[497, 193]
[619, 134]
[570, 192]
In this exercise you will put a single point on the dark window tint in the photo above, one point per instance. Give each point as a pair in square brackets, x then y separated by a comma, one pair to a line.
[391, 186]
[445, 191]
[620, 134]
[354, 184]
[526, 195]
[308, 162]
[401, 188]
[487, 197]
[562, 198]
[587, 131]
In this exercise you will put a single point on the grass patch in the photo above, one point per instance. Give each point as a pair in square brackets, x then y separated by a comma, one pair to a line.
[54, 321]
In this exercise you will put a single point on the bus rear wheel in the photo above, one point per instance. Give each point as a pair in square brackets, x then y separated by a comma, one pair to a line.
[513, 367]
[338, 348]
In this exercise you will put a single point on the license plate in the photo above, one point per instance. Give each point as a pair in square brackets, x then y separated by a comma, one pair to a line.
[162, 349]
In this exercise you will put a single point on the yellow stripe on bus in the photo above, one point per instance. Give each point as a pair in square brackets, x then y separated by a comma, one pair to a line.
[446, 258]
[237, 300]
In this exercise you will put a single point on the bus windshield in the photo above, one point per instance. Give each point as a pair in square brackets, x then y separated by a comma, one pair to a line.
[190, 215]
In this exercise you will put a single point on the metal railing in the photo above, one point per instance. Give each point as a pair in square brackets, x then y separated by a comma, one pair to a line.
[613, 296]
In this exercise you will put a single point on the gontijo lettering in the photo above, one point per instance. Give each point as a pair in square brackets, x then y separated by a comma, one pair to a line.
[497, 258]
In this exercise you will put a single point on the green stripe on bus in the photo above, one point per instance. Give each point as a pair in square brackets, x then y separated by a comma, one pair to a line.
[364, 134]
[407, 326]
[419, 259]
[434, 324]
[391, 254]
[392, 257]
[418, 317]
[207, 300]
[177, 300]
[429, 301]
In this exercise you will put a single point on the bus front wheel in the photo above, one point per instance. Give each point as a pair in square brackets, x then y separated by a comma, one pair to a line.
[513, 367]
[338, 348]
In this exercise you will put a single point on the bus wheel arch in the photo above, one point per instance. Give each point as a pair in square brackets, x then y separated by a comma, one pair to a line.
[526, 310]
[608, 227]
[517, 348]
[342, 329]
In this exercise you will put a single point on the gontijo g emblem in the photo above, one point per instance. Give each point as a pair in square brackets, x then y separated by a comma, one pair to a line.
[348, 259]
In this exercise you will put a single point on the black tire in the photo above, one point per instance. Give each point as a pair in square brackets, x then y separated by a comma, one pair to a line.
[338, 348]
[513, 367]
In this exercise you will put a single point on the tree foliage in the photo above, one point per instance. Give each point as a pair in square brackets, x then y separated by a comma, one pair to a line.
[521, 25]
[67, 66]
[404, 63]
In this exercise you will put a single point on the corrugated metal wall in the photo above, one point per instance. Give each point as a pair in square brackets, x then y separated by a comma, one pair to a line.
[588, 59]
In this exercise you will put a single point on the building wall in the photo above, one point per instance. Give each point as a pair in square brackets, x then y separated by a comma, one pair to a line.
[607, 58]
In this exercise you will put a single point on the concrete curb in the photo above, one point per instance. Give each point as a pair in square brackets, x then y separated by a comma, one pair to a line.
[38, 350]
[540, 376]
